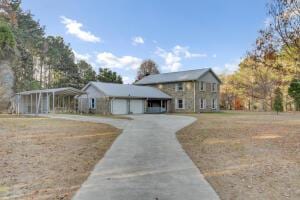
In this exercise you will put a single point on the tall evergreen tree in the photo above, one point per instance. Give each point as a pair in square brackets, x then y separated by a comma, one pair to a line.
[278, 106]
[106, 75]
[86, 72]
[294, 92]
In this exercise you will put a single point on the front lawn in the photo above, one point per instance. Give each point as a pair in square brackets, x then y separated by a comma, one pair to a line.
[247, 155]
[45, 158]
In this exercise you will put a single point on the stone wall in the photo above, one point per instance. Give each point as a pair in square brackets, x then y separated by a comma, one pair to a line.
[187, 94]
[208, 95]
[102, 106]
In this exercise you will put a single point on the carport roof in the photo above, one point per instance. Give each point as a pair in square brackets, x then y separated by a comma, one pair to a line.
[128, 90]
[57, 91]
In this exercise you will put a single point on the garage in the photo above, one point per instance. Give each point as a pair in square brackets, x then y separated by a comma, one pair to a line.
[119, 106]
[136, 106]
[123, 99]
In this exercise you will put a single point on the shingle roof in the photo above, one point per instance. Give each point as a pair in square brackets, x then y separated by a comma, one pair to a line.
[127, 90]
[189, 75]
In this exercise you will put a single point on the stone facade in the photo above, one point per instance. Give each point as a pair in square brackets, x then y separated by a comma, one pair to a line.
[191, 91]
[187, 95]
[102, 106]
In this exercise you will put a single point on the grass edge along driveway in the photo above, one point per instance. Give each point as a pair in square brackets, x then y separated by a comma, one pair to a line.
[246, 155]
[44, 158]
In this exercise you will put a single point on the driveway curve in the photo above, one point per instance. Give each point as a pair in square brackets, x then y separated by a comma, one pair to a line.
[146, 162]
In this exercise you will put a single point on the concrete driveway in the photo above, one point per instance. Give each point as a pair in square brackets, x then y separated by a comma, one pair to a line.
[146, 162]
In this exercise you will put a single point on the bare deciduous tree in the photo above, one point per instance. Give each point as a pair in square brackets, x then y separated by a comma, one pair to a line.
[286, 23]
[147, 68]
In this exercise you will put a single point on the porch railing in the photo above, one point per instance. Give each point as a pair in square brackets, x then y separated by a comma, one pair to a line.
[156, 110]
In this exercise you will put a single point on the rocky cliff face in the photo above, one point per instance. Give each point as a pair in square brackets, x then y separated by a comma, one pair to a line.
[6, 85]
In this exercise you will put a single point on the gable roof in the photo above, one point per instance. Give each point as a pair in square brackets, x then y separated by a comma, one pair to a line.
[190, 75]
[127, 90]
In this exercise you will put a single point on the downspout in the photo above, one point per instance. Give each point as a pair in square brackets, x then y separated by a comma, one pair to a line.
[194, 96]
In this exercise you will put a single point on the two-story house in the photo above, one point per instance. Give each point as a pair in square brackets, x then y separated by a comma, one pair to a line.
[191, 91]
[185, 91]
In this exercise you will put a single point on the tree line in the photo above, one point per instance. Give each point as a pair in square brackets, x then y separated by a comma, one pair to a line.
[268, 77]
[39, 61]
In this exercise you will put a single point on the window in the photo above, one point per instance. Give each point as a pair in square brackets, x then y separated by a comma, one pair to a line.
[213, 103]
[202, 103]
[202, 88]
[179, 87]
[180, 104]
[92, 103]
[214, 87]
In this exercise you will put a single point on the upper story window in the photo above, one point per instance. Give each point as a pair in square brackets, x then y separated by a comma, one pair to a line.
[179, 87]
[213, 87]
[180, 103]
[93, 103]
[202, 86]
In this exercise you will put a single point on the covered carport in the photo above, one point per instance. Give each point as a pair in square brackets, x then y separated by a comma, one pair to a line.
[56, 100]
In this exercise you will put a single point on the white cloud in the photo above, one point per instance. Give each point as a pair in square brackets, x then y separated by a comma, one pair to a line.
[228, 68]
[75, 28]
[179, 50]
[137, 40]
[214, 55]
[127, 80]
[173, 58]
[79, 56]
[109, 60]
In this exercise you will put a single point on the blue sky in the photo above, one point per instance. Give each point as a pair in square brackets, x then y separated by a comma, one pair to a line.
[178, 35]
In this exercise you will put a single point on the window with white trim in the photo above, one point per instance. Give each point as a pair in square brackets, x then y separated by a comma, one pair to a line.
[213, 103]
[213, 87]
[202, 86]
[180, 103]
[202, 103]
[179, 87]
[92, 103]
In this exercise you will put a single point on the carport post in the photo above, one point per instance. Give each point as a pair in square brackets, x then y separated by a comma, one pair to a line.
[42, 102]
[80, 106]
[36, 108]
[53, 102]
[39, 102]
[47, 102]
[19, 104]
[63, 103]
[31, 103]
[69, 106]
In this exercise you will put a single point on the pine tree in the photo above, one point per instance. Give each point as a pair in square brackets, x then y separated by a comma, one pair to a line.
[294, 92]
[278, 107]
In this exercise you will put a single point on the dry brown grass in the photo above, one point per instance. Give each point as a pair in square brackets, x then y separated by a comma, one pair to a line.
[48, 158]
[247, 155]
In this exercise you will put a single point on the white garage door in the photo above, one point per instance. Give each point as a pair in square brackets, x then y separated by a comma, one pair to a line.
[136, 106]
[119, 106]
